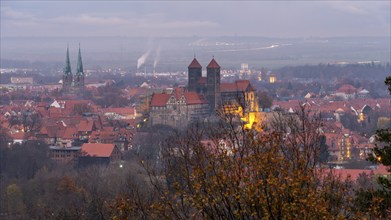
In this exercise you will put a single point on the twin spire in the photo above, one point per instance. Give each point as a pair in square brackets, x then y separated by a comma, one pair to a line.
[79, 63]
[67, 68]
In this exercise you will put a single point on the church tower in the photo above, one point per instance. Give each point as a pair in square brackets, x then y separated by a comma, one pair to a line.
[67, 78]
[79, 77]
[213, 84]
[195, 73]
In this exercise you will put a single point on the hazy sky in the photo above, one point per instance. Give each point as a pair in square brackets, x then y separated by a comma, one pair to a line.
[202, 18]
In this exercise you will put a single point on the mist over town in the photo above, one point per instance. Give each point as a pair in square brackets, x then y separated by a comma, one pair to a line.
[195, 110]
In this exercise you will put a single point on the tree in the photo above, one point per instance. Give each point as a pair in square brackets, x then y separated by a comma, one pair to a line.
[377, 202]
[265, 101]
[111, 96]
[31, 121]
[388, 83]
[15, 203]
[323, 150]
[223, 171]
[22, 161]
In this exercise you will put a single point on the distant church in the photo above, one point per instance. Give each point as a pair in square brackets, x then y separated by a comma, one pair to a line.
[73, 83]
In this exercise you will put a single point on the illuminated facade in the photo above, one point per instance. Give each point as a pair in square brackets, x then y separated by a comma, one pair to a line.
[272, 78]
[238, 98]
[205, 96]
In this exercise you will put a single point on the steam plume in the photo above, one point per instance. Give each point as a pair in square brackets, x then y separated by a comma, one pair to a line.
[142, 59]
[157, 57]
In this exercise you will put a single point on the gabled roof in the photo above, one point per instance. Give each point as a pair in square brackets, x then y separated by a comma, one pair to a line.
[85, 125]
[192, 98]
[213, 64]
[56, 130]
[195, 64]
[159, 100]
[177, 93]
[239, 85]
[70, 133]
[97, 149]
[347, 89]
[364, 91]
[243, 85]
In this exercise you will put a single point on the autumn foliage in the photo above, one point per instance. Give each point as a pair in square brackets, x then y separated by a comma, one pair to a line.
[245, 174]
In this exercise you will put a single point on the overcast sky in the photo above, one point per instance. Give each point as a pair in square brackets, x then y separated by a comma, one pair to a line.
[205, 18]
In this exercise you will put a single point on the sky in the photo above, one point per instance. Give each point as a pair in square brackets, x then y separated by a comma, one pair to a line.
[281, 19]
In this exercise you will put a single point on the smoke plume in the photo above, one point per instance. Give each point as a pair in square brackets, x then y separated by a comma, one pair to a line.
[157, 57]
[142, 59]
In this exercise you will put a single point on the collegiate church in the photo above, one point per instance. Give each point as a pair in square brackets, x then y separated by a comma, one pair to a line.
[203, 97]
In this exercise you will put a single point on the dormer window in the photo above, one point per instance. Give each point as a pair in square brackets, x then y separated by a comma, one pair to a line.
[183, 100]
[172, 100]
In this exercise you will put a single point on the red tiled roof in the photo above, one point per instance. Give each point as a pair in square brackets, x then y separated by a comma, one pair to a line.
[347, 89]
[109, 128]
[240, 85]
[178, 93]
[213, 64]
[226, 87]
[159, 100]
[382, 170]
[19, 135]
[53, 130]
[195, 64]
[85, 125]
[353, 174]
[131, 122]
[70, 133]
[97, 149]
[120, 111]
[137, 92]
[192, 98]
[55, 112]
[43, 130]
[42, 104]
[5, 124]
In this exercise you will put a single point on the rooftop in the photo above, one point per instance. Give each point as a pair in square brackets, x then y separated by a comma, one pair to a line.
[195, 64]
[213, 64]
[97, 149]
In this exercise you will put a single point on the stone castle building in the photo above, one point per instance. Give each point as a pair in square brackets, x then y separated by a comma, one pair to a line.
[203, 97]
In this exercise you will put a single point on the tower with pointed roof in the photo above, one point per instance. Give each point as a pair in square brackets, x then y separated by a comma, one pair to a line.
[67, 78]
[213, 84]
[194, 75]
[79, 77]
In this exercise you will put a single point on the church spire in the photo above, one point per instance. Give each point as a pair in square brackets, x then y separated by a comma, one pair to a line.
[67, 68]
[79, 64]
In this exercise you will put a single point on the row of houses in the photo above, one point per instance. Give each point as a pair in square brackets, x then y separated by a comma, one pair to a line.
[69, 132]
